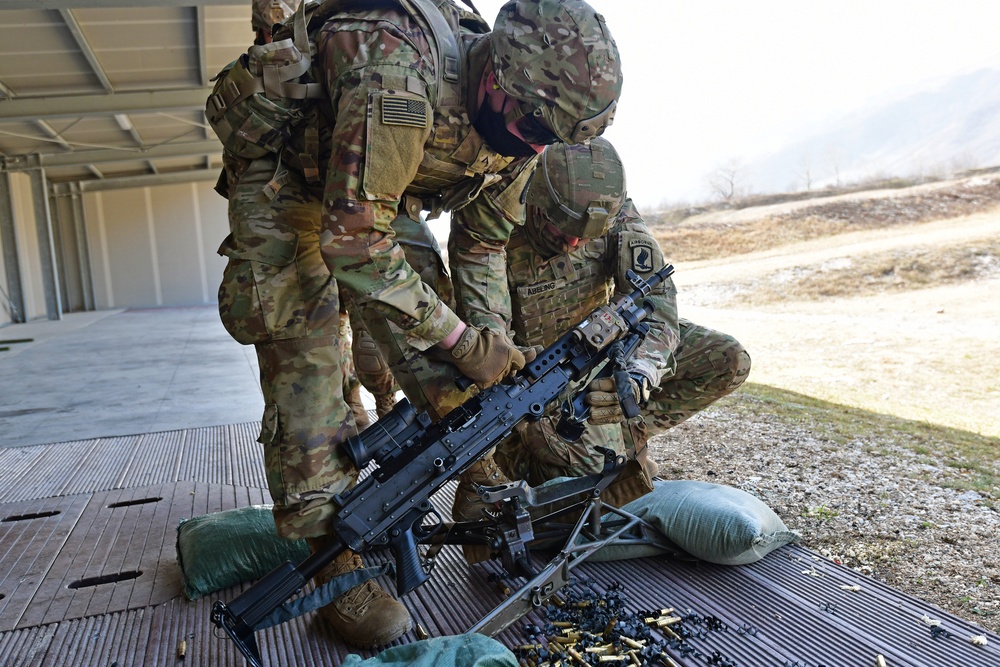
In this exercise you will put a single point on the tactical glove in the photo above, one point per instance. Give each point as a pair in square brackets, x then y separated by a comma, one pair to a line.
[606, 403]
[484, 356]
[530, 352]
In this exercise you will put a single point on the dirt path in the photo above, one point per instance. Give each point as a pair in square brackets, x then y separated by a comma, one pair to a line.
[827, 249]
[930, 354]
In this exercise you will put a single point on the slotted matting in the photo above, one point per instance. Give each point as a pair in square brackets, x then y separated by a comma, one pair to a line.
[106, 510]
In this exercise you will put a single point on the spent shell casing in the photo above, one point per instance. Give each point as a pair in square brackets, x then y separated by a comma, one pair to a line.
[667, 660]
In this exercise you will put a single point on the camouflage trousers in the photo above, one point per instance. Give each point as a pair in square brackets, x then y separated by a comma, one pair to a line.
[536, 453]
[278, 294]
[710, 365]
[424, 256]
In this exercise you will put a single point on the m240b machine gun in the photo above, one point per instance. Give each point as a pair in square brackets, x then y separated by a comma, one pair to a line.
[415, 458]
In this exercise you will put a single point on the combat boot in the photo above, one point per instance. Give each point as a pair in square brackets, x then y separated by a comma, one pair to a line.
[384, 403]
[468, 506]
[361, 418]
[365, 616]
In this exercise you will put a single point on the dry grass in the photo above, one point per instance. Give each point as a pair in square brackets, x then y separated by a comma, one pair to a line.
[897, 271]
[691, 241]
[841, 424]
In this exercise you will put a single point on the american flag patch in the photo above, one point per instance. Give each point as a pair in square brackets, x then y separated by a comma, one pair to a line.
[404, 111]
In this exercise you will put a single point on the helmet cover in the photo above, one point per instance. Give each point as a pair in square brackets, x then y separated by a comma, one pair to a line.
[559, 56]
[268, 12]
[578, 188]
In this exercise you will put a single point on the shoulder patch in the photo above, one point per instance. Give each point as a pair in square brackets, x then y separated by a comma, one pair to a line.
[408, 111]
[637, 252]
[642, 255]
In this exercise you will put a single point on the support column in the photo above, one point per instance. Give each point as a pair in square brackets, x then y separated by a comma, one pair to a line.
[82, 247]
[46, 247]
[13, 297]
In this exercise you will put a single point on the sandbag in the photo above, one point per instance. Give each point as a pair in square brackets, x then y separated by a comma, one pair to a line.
[219, 550]
[711, 522]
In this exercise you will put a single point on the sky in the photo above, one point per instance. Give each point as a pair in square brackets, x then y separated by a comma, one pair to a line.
[711, 81]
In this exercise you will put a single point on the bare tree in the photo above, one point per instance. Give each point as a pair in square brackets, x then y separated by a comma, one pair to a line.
[805, 170]
[835, 158]
[726, 180]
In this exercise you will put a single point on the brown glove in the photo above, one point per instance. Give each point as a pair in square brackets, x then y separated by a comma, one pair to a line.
[605, 404]
[484, 356]
[530, 352]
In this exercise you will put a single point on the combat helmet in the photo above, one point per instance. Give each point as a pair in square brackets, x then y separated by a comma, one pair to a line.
[558, 57]
[577, 188]
[266, 13]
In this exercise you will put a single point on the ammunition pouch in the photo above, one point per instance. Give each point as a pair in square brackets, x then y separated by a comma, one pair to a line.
[259, 98]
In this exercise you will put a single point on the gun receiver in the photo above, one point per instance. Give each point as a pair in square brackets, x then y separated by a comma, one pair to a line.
[415, 458]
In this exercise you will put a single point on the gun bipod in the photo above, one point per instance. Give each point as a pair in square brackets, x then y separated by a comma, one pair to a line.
[583, 541]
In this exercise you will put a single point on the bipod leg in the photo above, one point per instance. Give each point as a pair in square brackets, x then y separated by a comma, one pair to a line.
[556, 574]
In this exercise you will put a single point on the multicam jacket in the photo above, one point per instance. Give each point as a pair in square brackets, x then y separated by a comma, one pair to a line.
[551, 295]
[400, 142]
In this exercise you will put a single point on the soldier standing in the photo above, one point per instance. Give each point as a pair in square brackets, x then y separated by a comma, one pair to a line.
[414, 107]
[580, 238]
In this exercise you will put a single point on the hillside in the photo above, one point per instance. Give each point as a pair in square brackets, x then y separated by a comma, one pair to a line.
[871, 418]
[954, 126]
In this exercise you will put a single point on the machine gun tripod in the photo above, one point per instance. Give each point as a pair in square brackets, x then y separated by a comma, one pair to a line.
[579, 522]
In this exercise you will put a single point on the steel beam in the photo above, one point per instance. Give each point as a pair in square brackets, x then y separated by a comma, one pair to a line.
[87, 4]
[107, 155]
[77, 106]
[144, 181]
[83, 249]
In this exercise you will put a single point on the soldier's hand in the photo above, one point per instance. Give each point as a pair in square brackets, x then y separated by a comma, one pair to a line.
[530, 352]
[484, 356]
[606, 404]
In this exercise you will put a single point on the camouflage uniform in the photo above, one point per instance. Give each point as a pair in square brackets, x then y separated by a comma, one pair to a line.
[689, 366]
[393, 139]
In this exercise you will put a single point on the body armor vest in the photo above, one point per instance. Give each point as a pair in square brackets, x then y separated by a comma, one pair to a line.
[549, 296]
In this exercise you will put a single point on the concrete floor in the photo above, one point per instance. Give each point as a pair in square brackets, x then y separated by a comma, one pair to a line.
[123, 372]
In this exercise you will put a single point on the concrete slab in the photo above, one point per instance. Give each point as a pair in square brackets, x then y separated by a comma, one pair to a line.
[120, 372]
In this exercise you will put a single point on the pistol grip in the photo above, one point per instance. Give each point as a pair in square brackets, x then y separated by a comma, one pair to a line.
[409, 571]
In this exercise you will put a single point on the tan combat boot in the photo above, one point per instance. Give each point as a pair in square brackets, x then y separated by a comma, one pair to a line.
[365, 616]
[361, 419]
[384, 403]
[467, 505]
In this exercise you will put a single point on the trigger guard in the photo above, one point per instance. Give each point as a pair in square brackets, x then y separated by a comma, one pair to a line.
[425, 530]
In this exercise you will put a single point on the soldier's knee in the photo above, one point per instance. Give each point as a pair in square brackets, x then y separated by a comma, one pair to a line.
[737, 366]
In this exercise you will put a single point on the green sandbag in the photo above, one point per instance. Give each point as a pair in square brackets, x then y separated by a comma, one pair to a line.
[219, 550]
[713, 522]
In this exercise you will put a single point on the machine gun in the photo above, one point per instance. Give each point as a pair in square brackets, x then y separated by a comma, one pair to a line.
[415, 458]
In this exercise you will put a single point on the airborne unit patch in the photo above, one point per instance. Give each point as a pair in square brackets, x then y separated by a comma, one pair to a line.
[642, 255]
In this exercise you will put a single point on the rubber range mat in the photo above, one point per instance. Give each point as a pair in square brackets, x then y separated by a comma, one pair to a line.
[89, 576]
